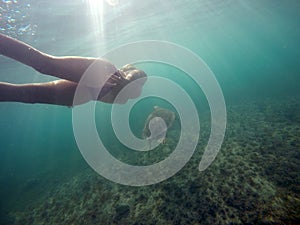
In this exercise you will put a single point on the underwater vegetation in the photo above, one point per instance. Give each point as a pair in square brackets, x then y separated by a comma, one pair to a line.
[254, 180]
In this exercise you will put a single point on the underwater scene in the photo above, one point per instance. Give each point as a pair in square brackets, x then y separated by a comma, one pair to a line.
[213, 137]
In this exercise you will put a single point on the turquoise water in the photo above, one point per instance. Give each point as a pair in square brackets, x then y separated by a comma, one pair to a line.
[252, 47]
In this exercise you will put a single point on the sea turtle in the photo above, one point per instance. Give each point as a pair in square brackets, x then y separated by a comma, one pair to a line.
[157, 123]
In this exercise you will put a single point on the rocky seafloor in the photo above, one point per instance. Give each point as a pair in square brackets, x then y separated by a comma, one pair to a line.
[255, 179]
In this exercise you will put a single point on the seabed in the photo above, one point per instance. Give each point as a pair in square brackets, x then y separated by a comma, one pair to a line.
[254, 180]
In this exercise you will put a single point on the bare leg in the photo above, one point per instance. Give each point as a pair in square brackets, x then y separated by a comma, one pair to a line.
[60, 92]
[69, 68]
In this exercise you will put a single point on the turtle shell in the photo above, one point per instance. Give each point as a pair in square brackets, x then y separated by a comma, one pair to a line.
[167, 115]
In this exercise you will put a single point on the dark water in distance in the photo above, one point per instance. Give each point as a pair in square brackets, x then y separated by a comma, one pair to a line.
[251, 46]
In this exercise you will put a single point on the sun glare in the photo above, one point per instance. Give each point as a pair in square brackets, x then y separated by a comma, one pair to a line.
[96, 11]
[112, 2]
[97, 17]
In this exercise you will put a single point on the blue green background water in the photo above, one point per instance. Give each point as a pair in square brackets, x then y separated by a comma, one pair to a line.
[251, 46]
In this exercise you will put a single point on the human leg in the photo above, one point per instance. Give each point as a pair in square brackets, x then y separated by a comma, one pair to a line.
[60, 92]
[68, 68]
